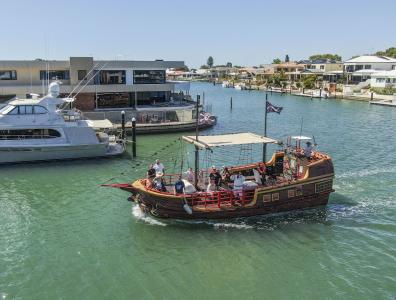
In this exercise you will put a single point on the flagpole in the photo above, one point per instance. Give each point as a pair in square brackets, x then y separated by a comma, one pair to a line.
[265, 128]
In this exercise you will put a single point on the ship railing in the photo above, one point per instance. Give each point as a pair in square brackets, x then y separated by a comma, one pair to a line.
[221, 198]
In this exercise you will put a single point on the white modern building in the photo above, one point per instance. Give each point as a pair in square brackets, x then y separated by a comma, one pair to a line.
[100, 84]
[384, 79]
[361, 68]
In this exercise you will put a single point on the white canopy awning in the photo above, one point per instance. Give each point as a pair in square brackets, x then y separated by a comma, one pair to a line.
[211, 141]
[301, 138]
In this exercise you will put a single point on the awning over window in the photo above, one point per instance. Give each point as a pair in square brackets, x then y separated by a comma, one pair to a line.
[211, 141]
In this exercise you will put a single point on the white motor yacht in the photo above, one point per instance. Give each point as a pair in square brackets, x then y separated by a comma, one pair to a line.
[39, 130]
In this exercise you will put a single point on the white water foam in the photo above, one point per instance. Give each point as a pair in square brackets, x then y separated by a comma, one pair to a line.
[142, 216]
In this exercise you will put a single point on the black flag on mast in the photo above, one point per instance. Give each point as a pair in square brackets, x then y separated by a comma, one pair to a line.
[272, 108]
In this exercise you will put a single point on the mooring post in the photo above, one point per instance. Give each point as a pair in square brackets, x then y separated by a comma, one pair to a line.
[372, 96]
[231, 102]
[266, 96]
[133, 137]
[123, 125]
[320, 93]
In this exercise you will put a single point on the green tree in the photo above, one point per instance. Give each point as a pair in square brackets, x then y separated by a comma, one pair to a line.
[276, 61]
[335, 57]
[209, 62]
[309, 81]
[204, 67]
[229, 65]
[391, 52]
[287, 59]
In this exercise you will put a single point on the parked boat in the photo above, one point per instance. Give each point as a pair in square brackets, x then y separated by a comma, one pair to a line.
[39, 130]
[291, 180]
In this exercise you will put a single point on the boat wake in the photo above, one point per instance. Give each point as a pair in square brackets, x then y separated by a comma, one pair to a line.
[142, 216]
[367, 172]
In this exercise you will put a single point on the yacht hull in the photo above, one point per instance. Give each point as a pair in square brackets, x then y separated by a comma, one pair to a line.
[55, 152]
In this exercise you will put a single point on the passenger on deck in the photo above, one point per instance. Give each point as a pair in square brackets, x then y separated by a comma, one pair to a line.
[225, 175]
[159, 183]
[238, 179]
[179, 186]
[308, 150]
[215, 175]
[190, 175]
[262, 171]
[211, 186]
[159, 167]
[151, 172]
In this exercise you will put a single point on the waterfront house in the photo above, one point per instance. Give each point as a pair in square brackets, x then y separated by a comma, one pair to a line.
[105, 83]
[384, 79]
[100, 86]
[361, 68]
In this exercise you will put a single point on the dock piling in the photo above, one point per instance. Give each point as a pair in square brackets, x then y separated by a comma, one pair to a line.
[123, 125]
[231, 103]
[133, 137]
[372, 96]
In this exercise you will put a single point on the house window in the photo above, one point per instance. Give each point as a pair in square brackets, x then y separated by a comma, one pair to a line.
[358, 67]
[8, 75]
[267, 198]
[82, 74]
[275, 196]
[149, 76]
[323, 186]
[380, 80]
[367, 67]
[322, 67]
[54, 75]
[291, 193]
[112, 77]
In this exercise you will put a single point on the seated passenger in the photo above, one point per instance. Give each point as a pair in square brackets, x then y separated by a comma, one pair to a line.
[179, 186]
[150, 172]
[159, 183]
[212, 187]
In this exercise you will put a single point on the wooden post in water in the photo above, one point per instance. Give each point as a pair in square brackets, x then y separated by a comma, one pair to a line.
[231, 103]
[196, 164]
[133, 137]
[123, 125]
[320, 93]
[372, 96]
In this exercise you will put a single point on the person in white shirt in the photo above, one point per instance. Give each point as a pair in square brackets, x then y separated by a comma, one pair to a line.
[190, 175]
[238, 179]
[159, 167]
[212, 187]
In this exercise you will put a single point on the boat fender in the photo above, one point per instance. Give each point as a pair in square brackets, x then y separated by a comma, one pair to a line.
[187, 208]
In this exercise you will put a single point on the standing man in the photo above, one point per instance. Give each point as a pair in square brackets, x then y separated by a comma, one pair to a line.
[179, 186]
[215, 176]
[238, 179]
[159, 167]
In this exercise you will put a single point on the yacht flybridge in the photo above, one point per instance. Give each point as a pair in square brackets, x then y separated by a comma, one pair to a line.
[40, 129]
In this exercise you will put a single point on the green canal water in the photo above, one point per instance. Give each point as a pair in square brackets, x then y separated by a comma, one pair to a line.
[63, 237]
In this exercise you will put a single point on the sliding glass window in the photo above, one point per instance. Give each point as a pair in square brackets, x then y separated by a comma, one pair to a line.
[149, 76]
[8, 75]
[53, 75]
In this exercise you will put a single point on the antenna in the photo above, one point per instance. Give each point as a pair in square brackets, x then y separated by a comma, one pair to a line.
[302, 122]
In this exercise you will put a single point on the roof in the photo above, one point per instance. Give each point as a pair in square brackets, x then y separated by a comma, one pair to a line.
[371, 59]
[364, 72]
[301, 138]
[391, 74]
[211, 141]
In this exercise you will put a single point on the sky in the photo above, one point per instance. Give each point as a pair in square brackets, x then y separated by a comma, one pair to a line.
[248, 32]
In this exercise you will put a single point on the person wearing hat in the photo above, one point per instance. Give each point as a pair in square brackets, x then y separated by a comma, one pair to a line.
[308, 150]
[159, 167]
[215, 176]
[159, 182]
[179, 186]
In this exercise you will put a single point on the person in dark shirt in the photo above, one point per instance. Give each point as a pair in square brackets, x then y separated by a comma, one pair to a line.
[226, 175]
[150, 172]
[215, 175]
[179, 186]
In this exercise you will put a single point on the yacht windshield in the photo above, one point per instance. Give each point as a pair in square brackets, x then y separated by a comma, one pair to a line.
[6, 109]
